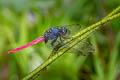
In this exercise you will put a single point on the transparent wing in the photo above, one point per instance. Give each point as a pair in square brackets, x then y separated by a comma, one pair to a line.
[83, 48]
[73, 28]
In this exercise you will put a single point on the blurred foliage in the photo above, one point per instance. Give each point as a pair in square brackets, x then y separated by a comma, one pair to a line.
[21, 21]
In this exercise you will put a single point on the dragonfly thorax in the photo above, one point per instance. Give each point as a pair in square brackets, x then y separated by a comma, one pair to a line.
[54, 33]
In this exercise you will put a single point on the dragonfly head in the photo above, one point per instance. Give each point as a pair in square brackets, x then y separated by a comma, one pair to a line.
[64, 31]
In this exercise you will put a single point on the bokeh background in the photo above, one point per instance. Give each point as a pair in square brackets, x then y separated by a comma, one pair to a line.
[21, 21]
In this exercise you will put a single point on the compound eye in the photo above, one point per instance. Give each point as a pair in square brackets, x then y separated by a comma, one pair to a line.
[64, 31]
[67, 32]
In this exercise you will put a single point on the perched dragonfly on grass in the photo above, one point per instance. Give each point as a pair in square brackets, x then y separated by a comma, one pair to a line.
[55, 36]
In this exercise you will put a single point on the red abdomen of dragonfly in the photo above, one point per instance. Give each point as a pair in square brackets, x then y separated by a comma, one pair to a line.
[38, 40]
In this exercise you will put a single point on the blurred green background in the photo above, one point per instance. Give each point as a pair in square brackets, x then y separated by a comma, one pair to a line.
[21, 21]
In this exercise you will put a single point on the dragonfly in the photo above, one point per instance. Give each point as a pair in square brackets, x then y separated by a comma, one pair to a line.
[55, 36]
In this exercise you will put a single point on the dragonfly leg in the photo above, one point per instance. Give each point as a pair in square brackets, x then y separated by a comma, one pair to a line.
[56, 47]
[52, 43]
[61, 41]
